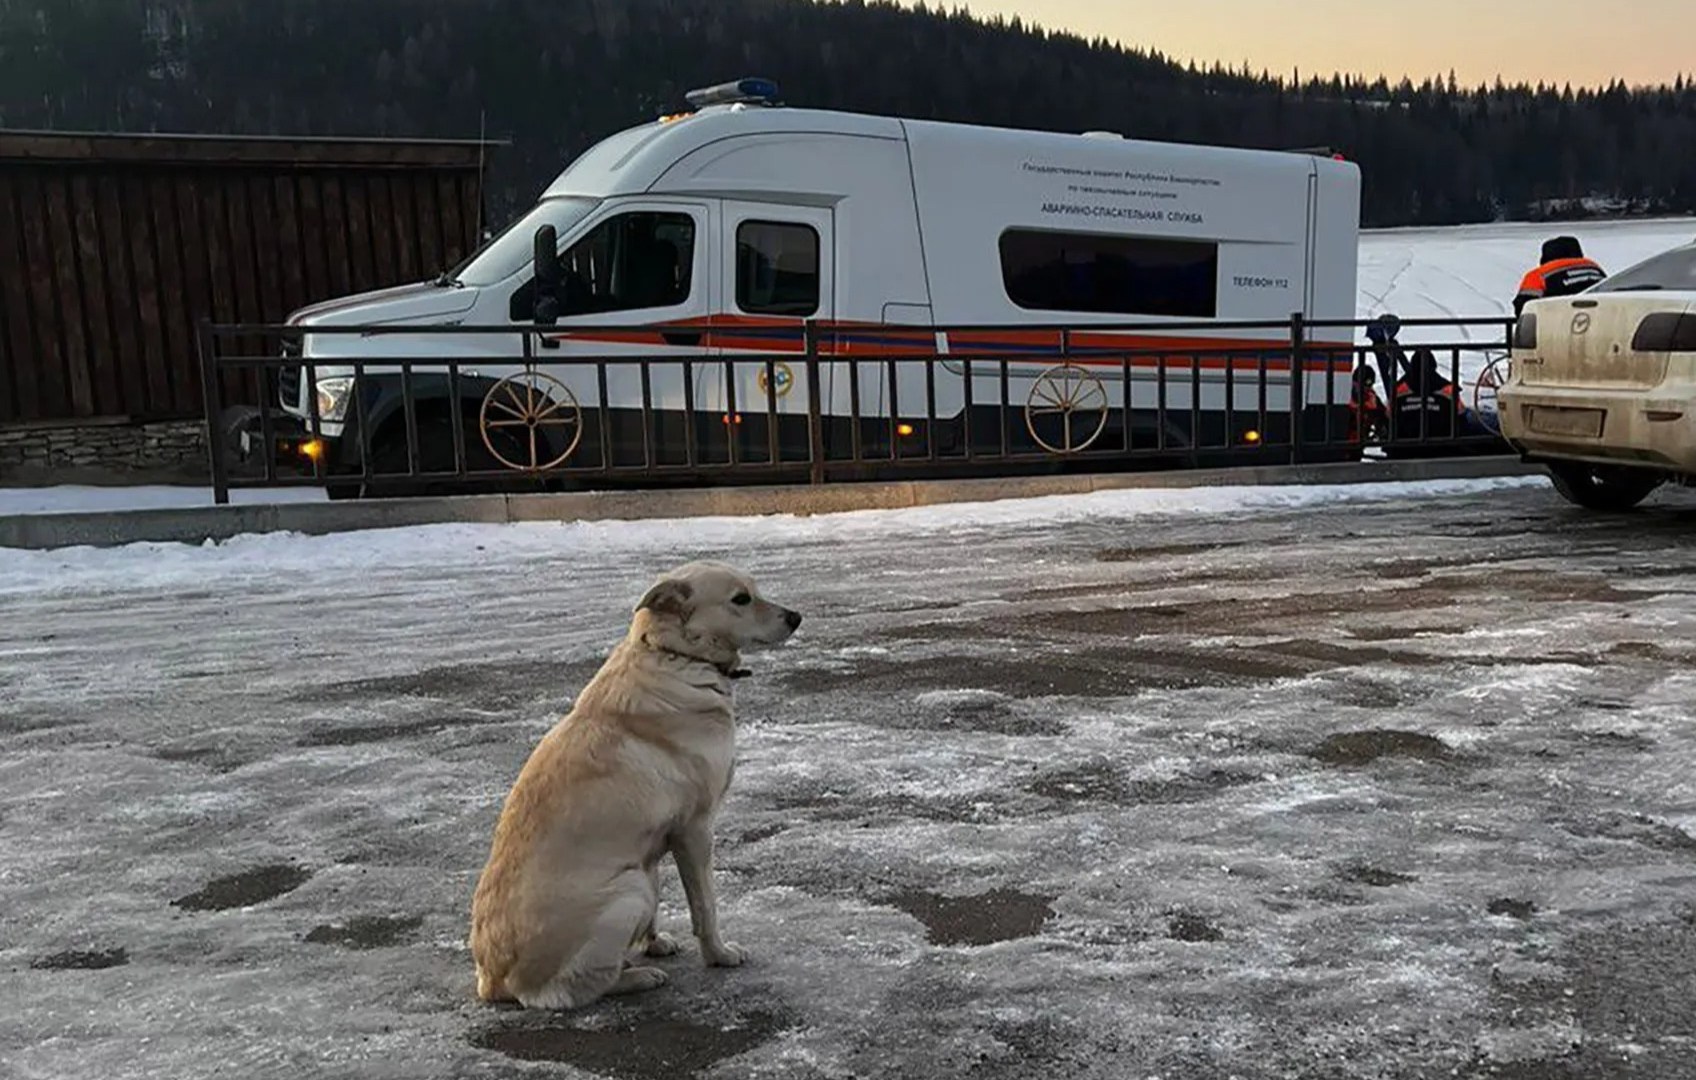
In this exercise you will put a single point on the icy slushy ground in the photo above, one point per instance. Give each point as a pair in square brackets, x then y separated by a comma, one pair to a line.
[1329, 782]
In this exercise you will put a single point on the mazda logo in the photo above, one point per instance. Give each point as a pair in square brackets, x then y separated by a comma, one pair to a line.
[1581, 322]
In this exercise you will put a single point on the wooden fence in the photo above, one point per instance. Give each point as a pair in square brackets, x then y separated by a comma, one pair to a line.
[113, 248]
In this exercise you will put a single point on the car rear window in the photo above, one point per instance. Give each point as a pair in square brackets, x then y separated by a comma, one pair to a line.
[1675, 269]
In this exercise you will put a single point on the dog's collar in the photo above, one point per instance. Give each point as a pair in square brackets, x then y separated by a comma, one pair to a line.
[725, 670]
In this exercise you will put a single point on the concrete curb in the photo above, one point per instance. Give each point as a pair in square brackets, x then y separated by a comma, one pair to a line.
[199, 524]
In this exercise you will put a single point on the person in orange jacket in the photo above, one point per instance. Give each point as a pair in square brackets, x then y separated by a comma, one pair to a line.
[1367, 415]
[1424, 389]
[1564, 271]
[1422, 399]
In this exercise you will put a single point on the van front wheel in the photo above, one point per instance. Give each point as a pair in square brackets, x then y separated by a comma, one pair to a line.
[390, 465]
[1609, 488]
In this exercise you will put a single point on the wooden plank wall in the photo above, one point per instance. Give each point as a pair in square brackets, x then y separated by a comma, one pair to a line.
[107, 266]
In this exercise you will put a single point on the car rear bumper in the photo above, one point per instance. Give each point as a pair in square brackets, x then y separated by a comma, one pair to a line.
[1650, 428]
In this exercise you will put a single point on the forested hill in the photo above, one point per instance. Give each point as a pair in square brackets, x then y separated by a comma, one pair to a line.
[554, 75]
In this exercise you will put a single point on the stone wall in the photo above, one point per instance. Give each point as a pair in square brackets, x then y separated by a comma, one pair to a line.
[38, 454]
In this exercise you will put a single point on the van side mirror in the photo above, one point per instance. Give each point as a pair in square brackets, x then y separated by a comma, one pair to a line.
[547, 276]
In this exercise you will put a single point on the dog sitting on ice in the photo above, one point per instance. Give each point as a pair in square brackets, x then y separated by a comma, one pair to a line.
[566, 905]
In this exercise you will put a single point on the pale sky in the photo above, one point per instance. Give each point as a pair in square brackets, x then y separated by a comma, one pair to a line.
[1585, 42]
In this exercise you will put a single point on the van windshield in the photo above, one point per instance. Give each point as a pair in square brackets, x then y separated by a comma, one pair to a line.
[514, 247]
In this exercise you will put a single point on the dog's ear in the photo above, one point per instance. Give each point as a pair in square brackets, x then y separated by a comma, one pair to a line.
[669, 597]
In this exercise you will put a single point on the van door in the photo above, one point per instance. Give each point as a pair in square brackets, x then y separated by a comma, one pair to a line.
[777, 266]
[636, 284]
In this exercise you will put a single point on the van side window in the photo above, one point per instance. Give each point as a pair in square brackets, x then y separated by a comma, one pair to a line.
[1120, 275]
[777, 268]
[643, 259]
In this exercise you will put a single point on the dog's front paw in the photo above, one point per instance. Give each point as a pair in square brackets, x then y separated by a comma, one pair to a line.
[661, 945]
[723, 954]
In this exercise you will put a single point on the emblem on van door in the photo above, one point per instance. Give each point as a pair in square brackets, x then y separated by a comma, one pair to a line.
[1581, 322]
[784, 377]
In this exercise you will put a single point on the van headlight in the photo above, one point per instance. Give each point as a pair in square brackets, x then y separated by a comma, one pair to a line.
[333, 394]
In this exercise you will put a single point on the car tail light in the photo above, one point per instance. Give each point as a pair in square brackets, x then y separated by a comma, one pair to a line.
[1665, 331]
[1525, 332]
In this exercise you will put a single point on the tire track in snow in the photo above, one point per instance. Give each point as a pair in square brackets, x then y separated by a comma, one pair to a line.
[1494, 302]
[1395, 279]
[1465, 331]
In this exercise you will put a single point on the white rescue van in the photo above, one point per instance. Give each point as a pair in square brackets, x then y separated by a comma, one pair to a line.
[730, 229]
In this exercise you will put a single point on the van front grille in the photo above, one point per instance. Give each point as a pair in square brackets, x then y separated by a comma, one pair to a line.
[289, 378]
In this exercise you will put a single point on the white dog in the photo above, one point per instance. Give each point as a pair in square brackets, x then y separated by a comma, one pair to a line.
[637, 769]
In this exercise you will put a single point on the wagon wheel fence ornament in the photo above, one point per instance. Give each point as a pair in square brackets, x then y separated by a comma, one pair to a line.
[1070, 393]
[529, 408]
[1494, 376]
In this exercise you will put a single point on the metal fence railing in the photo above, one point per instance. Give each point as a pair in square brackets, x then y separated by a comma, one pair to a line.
[381, 410]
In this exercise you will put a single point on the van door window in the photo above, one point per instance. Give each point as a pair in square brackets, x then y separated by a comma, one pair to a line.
[777, 268]
[1119, 275]
[629, 262]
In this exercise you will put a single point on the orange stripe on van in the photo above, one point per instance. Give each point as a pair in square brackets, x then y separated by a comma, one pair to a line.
[786, 336]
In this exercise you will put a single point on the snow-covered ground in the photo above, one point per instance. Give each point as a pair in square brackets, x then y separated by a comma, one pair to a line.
[1366, 782]
[1472, 271]
[79, 498]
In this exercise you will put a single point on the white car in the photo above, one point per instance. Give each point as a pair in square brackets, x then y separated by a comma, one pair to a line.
[1603, 384]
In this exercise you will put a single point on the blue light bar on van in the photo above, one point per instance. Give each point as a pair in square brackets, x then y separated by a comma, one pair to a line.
[732, 93]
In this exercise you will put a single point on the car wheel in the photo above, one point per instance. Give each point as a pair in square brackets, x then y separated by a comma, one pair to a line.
[1612, 488]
